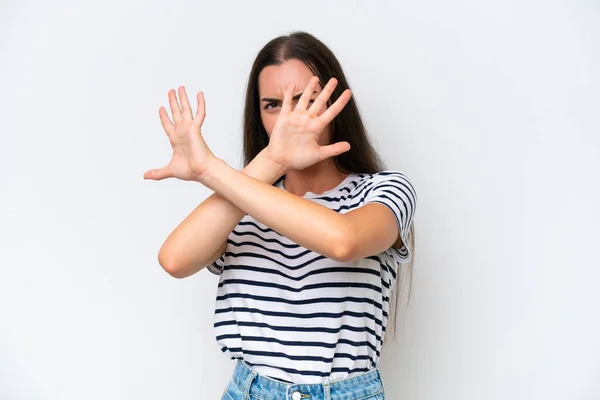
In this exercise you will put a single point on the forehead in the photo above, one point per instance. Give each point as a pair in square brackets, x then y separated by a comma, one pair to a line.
[274, 79]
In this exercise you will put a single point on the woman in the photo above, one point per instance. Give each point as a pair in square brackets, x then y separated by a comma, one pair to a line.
[308, 238]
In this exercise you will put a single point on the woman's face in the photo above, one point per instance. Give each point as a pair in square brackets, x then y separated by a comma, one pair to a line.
[273, 81]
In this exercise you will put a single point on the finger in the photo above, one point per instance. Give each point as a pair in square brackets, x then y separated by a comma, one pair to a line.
[186, 109]
[165, 121]
[175, 110]
[334, 149]
[201, 112]
[320, 102]
[336, 107]
[287, 99]
[158, 174]
[307, 94]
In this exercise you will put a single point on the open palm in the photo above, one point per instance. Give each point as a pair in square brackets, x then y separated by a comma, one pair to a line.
[294, 141]
[191, 155]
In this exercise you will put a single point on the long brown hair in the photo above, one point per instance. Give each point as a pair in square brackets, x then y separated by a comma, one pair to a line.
[346, 126]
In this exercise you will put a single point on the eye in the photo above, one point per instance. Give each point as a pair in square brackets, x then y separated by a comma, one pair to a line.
[271, 106]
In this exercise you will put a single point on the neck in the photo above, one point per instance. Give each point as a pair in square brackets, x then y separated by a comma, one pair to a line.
[317, 178]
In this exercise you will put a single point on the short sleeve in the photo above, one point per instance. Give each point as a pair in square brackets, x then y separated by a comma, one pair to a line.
[217, 266]
[395, 190]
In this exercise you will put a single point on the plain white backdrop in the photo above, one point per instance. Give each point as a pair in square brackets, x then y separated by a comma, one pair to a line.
[491, 107]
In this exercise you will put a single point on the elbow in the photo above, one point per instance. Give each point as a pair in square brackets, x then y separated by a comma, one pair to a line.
[344, 248]
[170, 265]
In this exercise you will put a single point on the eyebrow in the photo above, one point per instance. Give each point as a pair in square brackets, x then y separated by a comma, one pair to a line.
[271, 100]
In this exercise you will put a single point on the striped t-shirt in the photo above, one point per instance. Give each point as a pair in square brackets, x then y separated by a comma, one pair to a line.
[298, 316]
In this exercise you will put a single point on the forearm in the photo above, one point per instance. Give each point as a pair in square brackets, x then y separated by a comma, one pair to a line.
[307, 223]
[193, 244]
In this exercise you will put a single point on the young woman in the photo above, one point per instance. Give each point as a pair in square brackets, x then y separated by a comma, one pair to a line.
[307, 239]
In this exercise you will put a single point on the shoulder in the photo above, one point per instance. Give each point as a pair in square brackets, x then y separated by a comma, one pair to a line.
[365, 183]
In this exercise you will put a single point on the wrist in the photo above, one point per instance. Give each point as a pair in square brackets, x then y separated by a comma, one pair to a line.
[265, 167]
[209, 172]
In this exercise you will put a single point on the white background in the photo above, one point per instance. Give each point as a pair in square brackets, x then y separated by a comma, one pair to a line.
[491, 107]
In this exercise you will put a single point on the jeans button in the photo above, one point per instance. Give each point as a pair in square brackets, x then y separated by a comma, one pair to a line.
[296, 396]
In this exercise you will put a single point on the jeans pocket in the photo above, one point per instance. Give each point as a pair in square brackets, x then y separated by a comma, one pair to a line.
[378, 396]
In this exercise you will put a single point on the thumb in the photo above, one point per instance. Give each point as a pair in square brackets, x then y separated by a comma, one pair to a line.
[158, 174]
[334, 149]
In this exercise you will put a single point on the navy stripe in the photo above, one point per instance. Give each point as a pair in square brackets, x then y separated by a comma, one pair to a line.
[305, 301]
[310, 373]
[243, 267]
[301, 316]
[305, 287]
[254, 224]
[266, 240]
[299, 328]
[272, 251]
[263, 257]
[278, 354]
[300, 343]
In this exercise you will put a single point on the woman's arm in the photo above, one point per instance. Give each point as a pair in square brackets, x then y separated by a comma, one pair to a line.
[293, 144]
[201, 237]
[359, 233]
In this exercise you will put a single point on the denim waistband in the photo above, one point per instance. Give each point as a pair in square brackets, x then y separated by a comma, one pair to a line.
[266, 388]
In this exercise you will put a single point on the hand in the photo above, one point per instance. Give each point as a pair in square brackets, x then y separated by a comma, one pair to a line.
[294, 142]
[191, 155]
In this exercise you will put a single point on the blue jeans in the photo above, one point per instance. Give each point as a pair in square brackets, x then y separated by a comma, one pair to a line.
[247, 384]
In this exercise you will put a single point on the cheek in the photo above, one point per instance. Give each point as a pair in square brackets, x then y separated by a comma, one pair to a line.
[324, 138]
[268, 121]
